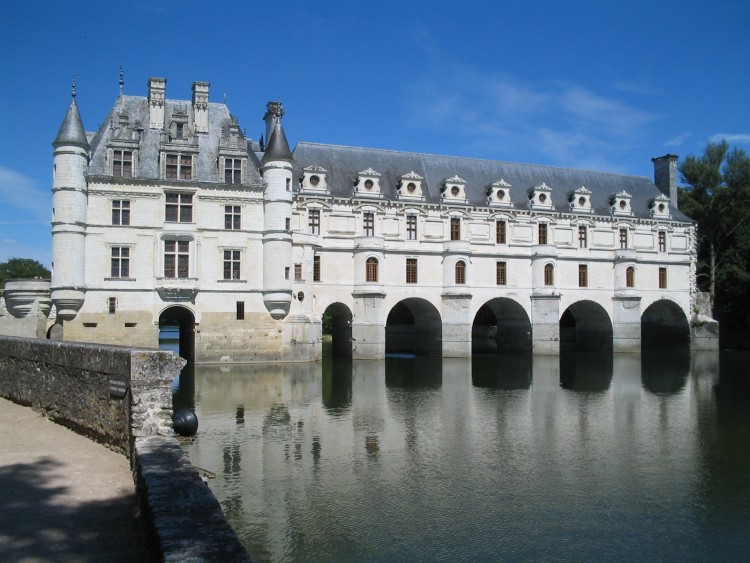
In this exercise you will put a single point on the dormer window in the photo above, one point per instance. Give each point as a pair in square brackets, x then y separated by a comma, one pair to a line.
[540, 197]
[179, 129]
[122, 163]
[659, 207]
[620, 203]
[453, 189]
[368, 182]
[410, 186]
[580, 200]
[498, 194]
[232, 171]
[313, 178]
[178, 166]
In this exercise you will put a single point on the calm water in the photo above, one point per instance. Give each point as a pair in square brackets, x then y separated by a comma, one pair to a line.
[584, 458]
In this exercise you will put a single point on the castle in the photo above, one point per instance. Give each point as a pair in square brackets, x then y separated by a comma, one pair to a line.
[169, 216]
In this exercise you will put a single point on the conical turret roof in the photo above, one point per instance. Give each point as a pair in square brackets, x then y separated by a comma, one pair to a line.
[278, 146]
[71, 131]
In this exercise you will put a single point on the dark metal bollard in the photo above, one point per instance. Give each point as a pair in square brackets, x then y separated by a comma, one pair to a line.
[184, 422]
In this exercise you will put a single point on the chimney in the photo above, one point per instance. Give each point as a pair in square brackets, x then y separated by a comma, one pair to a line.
[665, 176]
[274, 112]
[157, 88]
[200, 106]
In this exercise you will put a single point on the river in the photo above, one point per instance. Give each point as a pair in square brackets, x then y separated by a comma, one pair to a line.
[583, 457]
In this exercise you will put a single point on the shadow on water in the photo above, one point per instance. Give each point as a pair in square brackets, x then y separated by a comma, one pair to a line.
[337, 381]
[665, 371]
[585, 370]
[502, 371]
[183, 389]
[414, 373]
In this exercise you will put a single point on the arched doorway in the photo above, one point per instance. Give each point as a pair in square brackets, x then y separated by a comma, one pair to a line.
[337, 322]
[664, 325]
[585, 325]
[414, 327]
[501, 326]
[177, 331]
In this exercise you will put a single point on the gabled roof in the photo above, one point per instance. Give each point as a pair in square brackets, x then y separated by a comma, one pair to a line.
[343, 164]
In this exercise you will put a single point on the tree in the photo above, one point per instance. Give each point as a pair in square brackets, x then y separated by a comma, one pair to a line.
[22, 268]
[717, 196]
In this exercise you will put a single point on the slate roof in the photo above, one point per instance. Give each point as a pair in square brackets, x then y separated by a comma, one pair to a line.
[71, 130]
[343, 164]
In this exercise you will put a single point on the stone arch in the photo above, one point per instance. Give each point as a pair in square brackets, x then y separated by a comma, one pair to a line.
[586, 325]
[501, 326]
[337, 321]
[414, 327]
[664, 325]
[177, 328]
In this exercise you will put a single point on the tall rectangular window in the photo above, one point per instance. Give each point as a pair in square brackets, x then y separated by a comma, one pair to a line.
[313, 221]
[500, 237]
[583, 275]
[582, 237]
[122, 164]
[662, 278]
[176, 259]
[232, 217]
[411, 270]
[368, 224]
[112, 305]
[316, 268]
[298, 272]
[179, 208]
[411, 227]
[662, 241]
[455, 228]
[542, 231]
[120, 262]
[232, 264]
[232, 170]
[623, 238]
[501, 273]
[179, 166]
[121, 212]
[240, 313]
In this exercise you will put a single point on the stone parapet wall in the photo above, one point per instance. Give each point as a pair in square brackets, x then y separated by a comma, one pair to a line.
[121, 397]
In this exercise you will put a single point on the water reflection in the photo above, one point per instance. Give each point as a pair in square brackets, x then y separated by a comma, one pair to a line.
[585, 457]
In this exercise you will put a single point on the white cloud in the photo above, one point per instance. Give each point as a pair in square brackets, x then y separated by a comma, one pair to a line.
[678, 140]
[731, 138]
[21, 192]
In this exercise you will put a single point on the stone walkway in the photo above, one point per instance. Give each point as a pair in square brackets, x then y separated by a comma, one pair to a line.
[62, 496]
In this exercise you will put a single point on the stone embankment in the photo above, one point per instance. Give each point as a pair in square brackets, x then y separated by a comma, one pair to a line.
[121, 397]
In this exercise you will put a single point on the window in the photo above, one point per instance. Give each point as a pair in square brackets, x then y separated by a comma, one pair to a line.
[411, 227]
[288, 224]
[179, 208]
[630, 277]
[314, 181]
[371, 270]
[298, 272]
[542, 233]
[231, 264]
[120, 262]
[176, 259]
[232, 171]
[313, 221]
[500, 232]
[662, 278]
[286, 272]
[549, 275]
[368, 224]
[122, 164]
[662, 241]
[316, 268]
[501, 273]
[121, 212]
[455, 228]
[582, 237]
[240, 310]
[112, 305]
[623, 238]
[411, 270]
[232, 217]
[583, 275]
[179, 166]
[460, 272]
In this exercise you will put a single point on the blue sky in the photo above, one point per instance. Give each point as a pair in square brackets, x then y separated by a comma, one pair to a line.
[596, 85]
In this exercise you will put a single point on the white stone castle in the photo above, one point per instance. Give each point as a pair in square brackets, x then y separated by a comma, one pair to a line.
[169, 216]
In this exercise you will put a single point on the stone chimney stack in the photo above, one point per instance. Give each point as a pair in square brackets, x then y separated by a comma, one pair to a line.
[157, 90]
[200, 106]
[274, 113]
[665, 176]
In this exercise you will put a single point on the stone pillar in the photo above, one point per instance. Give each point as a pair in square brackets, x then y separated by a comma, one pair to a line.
[545, 323]
[626, 322]
[368, 326]
[457, 323]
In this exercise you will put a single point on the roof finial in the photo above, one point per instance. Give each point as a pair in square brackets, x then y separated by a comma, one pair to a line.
[122, 79]
[73, 88]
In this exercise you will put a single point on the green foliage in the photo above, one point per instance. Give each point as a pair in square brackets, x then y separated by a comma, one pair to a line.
[22, 268]
[717, 196]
